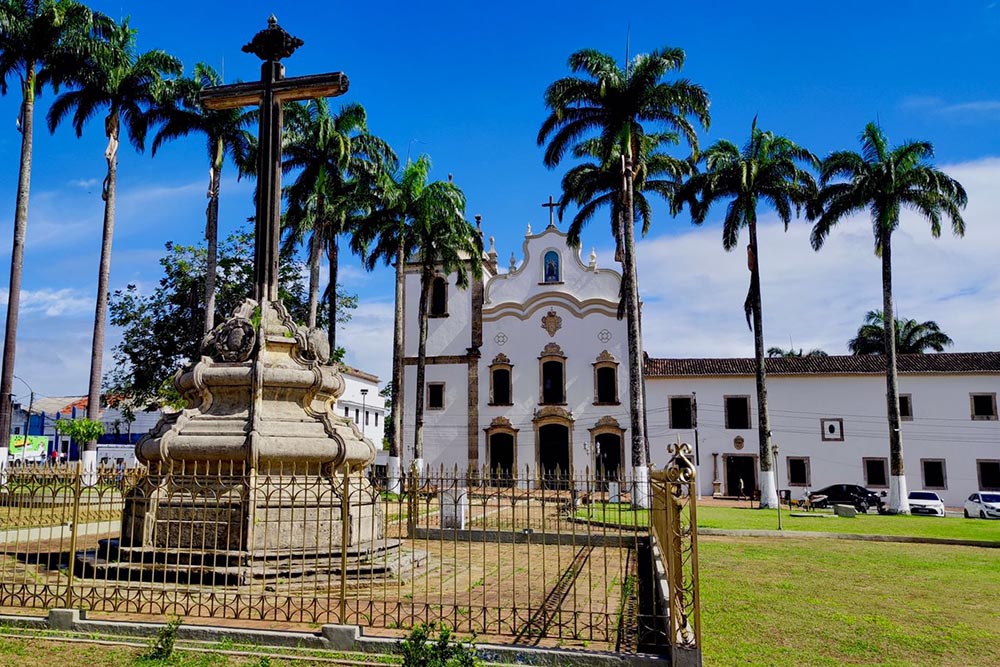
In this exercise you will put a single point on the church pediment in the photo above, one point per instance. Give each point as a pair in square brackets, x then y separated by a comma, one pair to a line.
[552, 412]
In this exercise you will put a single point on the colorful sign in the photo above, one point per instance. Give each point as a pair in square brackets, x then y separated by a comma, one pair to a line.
[37, 447]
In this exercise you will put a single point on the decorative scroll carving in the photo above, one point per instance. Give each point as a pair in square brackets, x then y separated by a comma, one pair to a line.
[234, 340]
[606, 356]
[551, 322]
[552, 350]
[553, 411]
[500, 359]
[501, 423]
[607, 421]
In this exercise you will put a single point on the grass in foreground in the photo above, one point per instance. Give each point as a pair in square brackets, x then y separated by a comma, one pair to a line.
[829, 602]
[736, 518]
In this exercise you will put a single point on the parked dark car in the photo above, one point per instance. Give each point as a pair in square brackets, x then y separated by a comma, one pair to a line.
[851, 494]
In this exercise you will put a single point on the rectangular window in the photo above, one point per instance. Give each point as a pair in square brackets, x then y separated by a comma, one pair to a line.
[347, 411]
[737, 412]
[989, 475]
[876, 472]
[435, 395]
[366, 417]
[934, 474]
[357, 415]
[906, 407]
[681, 412]
[984, 406]
[798, 470]
[376, 419]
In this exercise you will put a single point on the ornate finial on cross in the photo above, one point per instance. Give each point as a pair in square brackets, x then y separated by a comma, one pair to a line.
[551, 205]
[272, 43]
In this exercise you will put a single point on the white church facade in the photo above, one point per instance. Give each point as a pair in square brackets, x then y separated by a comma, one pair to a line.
[527, 371]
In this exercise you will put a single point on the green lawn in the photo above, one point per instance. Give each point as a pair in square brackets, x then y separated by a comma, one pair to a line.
[733, 518]
[831, 602]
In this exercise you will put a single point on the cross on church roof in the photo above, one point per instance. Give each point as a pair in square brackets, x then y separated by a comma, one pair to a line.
[271, 45]
[551, 205]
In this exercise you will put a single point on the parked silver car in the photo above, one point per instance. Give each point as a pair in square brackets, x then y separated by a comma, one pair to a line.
[983, 505]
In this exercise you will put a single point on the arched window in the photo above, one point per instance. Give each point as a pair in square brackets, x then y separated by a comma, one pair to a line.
[439, 297]
[605, 379]
[551, 267]
[552, 367]
[501, 453]
[500, 380]
[607, 439]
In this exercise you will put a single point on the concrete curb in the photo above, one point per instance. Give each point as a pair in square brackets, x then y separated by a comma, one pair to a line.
[720, 532]
[344, 638]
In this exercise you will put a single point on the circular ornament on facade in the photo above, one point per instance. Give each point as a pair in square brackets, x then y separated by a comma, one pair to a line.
[500, 338]
[738, 442]
[604, 336]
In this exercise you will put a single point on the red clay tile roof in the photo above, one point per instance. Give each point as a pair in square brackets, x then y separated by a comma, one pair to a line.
[944, 362]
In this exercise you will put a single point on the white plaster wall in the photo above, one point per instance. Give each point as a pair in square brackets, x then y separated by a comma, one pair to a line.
[451, 335]
[941, 428]
[445, 431]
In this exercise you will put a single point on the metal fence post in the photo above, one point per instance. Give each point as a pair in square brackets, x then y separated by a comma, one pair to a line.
[345, 537]
[73, 532]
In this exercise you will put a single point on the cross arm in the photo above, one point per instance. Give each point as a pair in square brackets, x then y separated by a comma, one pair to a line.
[297, 88]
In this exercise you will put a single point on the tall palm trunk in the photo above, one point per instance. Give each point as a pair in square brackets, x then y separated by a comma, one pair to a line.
[768, 475]
[640, 464]
[212, 237]
[104, 273]
[17, 259]
[898, 502]
[333, 255]
[395, 441]
[418, 422]
[315, 246]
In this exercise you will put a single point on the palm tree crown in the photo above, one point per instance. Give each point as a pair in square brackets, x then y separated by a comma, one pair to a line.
[912, 337]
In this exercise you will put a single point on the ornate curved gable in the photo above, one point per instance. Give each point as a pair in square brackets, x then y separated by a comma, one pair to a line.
[552, 350]
[552, 412]
[606, 356]
[500, 359]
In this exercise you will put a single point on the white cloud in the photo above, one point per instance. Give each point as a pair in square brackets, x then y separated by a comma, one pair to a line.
[694, 291]
[52, 303]
[367, 338]
[936, 105]
[84, 183]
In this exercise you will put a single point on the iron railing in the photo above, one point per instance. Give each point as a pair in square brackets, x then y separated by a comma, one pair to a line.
[518, 560]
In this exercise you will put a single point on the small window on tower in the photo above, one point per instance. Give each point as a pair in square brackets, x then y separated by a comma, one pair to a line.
[439, 297]
[681, 412]
[906, 407]
[435, 396]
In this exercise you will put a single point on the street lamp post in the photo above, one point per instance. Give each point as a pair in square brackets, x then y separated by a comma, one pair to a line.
[364, 411]
[774, 452]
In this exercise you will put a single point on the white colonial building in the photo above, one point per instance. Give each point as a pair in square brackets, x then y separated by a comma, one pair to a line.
[526, 369]
[828, 420]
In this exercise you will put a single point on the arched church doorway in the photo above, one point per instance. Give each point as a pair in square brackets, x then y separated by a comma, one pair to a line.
[608, 456]
[553, 456]
[501, 459]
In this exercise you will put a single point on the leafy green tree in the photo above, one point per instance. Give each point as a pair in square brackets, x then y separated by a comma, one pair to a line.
[338, 163]
[225, 133]
[767, 169]
[912, 337]
[41, 42]
[423, 221]
[612, 107]
[124, 85]
[883, 181]
[162, 331]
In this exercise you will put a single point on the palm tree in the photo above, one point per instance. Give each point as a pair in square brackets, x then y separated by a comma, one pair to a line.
[225, 134]
[884, 181]
[339, 162]
[425, 220]
[912, 337]
[612, 106]
[791, 352]
[39, 43]
[126, 85]
[766, 169]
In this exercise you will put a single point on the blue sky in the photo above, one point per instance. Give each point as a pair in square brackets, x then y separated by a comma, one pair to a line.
[463, 82]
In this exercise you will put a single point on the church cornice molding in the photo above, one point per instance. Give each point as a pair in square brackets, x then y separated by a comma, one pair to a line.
[552, 413]
[578, 308]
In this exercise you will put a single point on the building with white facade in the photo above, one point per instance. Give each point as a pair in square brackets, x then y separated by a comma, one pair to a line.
[527, 370]
[362, 403]
[828, 420]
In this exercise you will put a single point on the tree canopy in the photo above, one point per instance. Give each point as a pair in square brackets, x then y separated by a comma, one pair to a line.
[912, 337]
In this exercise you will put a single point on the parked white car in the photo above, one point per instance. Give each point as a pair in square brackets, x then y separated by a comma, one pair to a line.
[983, 505]
[926, 502]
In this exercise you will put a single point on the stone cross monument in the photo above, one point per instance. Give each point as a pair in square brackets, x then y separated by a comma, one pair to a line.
[257, 462]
